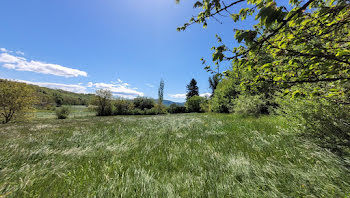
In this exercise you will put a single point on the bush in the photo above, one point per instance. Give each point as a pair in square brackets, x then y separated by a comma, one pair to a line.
[137, 112]
[193, 104]
[247, 105]
[174, 108]
[105, 110]
[225, 93]
[205, 106]
[123, 107]
[143, 103]
[62, 113]
[326, 122]
[160, 109]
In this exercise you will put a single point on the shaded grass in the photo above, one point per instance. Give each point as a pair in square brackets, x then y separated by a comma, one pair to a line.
[186, 155]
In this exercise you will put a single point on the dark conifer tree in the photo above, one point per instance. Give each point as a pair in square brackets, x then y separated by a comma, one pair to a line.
[192, 89]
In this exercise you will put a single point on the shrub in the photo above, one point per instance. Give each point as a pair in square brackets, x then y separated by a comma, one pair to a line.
[326, 122]
[174, 108]
[225, 93]
[193, 104]
[205, 106]
[123, 107]
[247, 105]
[62, 113]
[160, 109]
[143, 103]
[137, 112]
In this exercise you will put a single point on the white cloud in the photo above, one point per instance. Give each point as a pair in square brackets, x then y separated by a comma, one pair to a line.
[149, 85]
[183, 96]
[206, 95]
[20, 53]
[3, 50]
[180, 96]
[67, 87]
[119, 89]
[22, 64]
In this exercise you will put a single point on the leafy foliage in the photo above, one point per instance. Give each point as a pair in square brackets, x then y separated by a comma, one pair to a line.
[308, 43]
[174, 108]
[143, 103]
[248, 105]
[193, 104]
[16, 100]
[161, 92]
[103, 100]
[62, 112]
[222, 101]
[327, 123]
[213, 83]
[123, 107]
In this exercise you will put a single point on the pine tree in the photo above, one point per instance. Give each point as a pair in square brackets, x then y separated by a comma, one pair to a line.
[192, 89]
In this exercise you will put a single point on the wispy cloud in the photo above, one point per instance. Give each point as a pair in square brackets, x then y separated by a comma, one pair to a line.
[183, 96]
[77, 88]
[22, 64]
[150, 85]
[206, 95]
[20, 53]
[119, 89]
[178, 96]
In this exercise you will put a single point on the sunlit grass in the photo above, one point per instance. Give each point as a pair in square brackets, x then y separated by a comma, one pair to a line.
[201, 155]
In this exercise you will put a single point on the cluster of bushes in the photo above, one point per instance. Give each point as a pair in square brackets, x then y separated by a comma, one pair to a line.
[106, 106]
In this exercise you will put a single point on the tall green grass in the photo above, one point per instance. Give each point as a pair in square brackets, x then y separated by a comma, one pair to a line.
[186, 155]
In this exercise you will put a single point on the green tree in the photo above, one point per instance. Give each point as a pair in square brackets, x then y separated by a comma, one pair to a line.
[213, 83]
[143, 103]
[161, 92]
[58, 99]
[192, 89]
[308, 43]
[193, 104]
[16, 100]
[103, 100]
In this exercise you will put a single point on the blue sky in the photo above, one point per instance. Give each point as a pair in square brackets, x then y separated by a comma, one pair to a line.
[126, 46]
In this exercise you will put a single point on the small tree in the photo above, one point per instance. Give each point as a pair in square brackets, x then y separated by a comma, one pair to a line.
[103, 101]
[16, 99]
[193, 104]
[192, 89]
[123, 107]
[213, 83]
[143, 103]
[58, 99]
[161, 92]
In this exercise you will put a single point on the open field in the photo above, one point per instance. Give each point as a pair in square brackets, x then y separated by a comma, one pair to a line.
[185, 155]
[76, 111]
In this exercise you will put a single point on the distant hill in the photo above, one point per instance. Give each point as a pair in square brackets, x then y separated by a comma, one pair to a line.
[169, 102]
[47, 97]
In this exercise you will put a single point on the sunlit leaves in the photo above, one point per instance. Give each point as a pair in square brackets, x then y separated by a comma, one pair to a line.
[310, 43]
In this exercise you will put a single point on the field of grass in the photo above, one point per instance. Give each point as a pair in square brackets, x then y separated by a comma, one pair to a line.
[185, 155]
[76, 111]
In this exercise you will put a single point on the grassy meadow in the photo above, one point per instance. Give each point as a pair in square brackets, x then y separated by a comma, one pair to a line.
[183, 155]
